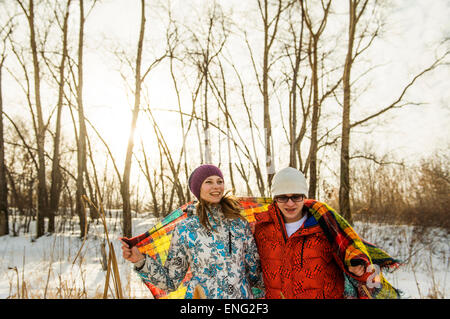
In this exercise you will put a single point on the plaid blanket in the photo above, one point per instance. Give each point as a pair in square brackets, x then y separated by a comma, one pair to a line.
[350, 248]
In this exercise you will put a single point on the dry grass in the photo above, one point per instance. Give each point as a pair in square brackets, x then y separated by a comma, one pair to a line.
[72, 284]
[53, 285]
[396, 194]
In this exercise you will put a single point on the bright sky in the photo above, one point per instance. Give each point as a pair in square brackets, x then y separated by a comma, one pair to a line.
[404, 48]
[417, 130]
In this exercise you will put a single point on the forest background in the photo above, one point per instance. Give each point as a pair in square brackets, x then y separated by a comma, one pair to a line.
[120, 100]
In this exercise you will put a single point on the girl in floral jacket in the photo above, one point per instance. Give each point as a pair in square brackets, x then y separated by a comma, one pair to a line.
[215, 242]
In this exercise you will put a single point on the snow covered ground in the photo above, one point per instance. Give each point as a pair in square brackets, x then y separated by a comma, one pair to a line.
[49, 266]
[424, 251]
[52, 262]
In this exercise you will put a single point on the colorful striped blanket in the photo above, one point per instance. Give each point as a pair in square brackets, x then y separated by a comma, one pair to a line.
[156, 241]
[352, 250]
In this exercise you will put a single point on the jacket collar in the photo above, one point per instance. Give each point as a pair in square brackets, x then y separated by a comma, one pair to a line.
[215, 216]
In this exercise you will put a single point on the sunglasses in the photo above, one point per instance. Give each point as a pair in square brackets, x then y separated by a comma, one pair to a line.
[295, 198]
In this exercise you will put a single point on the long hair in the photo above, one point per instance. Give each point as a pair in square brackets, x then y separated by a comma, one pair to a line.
[231, 209]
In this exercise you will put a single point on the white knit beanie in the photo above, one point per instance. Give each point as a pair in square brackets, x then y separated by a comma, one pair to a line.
[289, 181]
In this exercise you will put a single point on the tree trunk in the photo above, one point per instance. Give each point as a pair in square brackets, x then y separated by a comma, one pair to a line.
[269, 37]
[313, 61]
[81, 154]
[4, 225]
[207, 139]
[314, 123]
[55, 188]
[126, 225]
[270, 169]
[293, 142]
[230, 161]
[42, 200]
[344, 187]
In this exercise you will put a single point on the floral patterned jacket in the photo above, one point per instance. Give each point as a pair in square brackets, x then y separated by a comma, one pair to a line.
[224, 261]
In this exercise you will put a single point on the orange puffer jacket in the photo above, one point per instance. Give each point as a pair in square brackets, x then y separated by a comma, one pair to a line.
[301, 266]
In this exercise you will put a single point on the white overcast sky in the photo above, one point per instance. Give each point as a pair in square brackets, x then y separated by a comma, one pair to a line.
[407, 47]
[414, 26]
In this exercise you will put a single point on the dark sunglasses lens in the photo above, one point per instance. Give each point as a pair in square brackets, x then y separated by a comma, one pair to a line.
[282, 199]
[285, 199]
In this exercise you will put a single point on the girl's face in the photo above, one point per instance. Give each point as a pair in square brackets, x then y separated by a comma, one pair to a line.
[212, 189]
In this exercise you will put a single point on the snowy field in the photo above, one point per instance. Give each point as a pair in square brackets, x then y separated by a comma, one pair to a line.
[61, 266]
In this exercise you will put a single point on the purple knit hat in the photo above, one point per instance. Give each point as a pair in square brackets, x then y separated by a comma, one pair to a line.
[199, 175]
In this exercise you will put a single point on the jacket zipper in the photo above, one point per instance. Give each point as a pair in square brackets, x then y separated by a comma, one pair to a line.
[301, 254]
[229, 241]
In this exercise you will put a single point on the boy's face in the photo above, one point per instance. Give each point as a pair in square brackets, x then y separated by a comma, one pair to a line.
[291, 206]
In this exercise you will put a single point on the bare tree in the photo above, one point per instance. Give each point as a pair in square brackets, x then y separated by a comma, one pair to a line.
[296, 77]
[56, 178]
[358, 43]
[294, 137]
[4, 227]
[344, 188]
[314, 63]
[81, 143]
[270, 27]
[40, 127]
[250, 154]
[125, 187]
[4, 224]
[203, 50]
[138, 80]
[173, 41]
